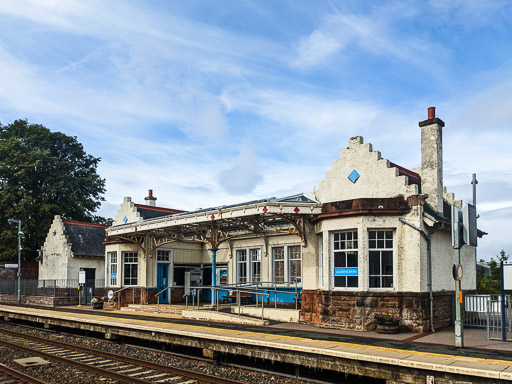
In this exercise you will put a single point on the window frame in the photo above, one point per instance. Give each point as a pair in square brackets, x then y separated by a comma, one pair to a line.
[131, 263]
[353, 249]
[113, 281]
[163, 255]
[287, 262]
[381, 248]
[248, 264]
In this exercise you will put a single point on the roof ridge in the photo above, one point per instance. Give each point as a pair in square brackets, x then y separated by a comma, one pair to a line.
[83, 223]
[160, 209]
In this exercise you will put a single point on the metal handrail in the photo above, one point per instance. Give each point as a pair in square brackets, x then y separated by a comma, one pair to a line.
[254, 292]
[273, 284]
[193, 293]
[119, 297]
[158, 298]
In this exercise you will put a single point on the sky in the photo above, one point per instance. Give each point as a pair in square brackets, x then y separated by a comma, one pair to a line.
[218, 102]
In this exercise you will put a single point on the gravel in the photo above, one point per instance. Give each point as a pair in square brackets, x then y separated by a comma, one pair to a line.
[59, 373]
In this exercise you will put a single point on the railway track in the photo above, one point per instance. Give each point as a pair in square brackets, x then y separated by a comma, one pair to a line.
[10, 376]
[121, 368]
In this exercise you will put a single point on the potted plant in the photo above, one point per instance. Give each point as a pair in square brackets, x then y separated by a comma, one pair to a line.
[97, 302]
[387, 322]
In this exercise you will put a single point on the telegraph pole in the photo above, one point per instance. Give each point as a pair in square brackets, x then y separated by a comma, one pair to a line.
[20, 235]
[474, 182]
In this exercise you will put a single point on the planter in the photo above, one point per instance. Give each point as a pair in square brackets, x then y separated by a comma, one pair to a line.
[97, 305]
[388, 327]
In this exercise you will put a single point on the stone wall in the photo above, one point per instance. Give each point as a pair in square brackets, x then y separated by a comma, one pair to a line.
[38, 301]
[356, 310]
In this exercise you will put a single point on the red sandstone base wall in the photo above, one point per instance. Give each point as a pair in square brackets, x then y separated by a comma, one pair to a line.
[38, 301]
[356, 310]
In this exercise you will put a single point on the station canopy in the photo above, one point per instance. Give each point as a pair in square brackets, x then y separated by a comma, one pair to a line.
[214, 226]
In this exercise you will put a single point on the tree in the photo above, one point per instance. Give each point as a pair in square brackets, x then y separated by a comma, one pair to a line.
[492, 283]
[42, 174]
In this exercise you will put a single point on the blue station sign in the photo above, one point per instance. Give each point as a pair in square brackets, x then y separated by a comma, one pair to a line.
[346, 271]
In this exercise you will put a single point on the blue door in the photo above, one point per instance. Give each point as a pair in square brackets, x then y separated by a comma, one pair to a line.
[162, 281]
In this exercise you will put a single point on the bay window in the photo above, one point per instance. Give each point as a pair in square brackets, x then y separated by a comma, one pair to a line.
[112, 261]
[345, 260]
[130, 261]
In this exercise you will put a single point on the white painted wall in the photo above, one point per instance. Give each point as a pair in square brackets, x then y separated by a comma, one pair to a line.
[58, 261]
[377, 178]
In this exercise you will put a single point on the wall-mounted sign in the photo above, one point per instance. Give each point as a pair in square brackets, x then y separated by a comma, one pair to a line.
[346, 271]
[113, 275]
[11, 265]
[507, 276]
[354, 175]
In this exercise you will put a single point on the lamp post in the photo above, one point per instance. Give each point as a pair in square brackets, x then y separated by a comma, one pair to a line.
[20, 235]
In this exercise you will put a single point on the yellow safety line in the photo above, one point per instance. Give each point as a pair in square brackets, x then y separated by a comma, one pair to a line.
[340, 343]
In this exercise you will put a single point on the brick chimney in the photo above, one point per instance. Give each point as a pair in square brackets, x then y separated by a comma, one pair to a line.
[432, 159]
[150, 200]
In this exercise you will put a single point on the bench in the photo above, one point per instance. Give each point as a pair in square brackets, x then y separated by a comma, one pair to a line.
[232, 296]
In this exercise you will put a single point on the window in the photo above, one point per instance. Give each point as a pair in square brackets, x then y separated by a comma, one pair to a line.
[345, 261]
[251, 265]
[163, 255]
[130, 260]
[278, 259]
[255, 256]
[380, 259]
[287, 263]
[112, 260]
[241, 265]
[295, 259]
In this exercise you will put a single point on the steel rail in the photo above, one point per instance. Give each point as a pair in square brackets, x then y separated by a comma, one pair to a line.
[20, 375]
[125, 359]
[77, 364]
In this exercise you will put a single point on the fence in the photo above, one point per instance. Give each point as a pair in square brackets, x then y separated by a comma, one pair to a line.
[476, 308]
[485, 311]
[496, 328]
[53, 288]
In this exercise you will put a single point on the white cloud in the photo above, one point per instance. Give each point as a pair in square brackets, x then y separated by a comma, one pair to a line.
[342, 35]
[244, 175]
[316, 49]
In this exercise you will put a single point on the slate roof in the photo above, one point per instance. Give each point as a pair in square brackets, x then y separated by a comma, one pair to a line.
[446, 217]
[300, 197]
[86, 238]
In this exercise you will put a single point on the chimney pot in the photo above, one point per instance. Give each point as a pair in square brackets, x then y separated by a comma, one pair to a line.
[431, 113]
[150, 200]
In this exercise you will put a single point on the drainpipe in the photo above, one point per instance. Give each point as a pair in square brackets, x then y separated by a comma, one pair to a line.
[428, 238]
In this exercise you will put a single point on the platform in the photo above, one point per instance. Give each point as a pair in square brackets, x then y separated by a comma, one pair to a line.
[401, 358]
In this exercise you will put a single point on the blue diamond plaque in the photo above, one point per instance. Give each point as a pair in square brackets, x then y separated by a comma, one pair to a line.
[353, 176]
[125, 219]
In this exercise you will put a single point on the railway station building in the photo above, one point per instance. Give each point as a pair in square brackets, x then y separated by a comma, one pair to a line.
[70, 247]
[374, 237]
